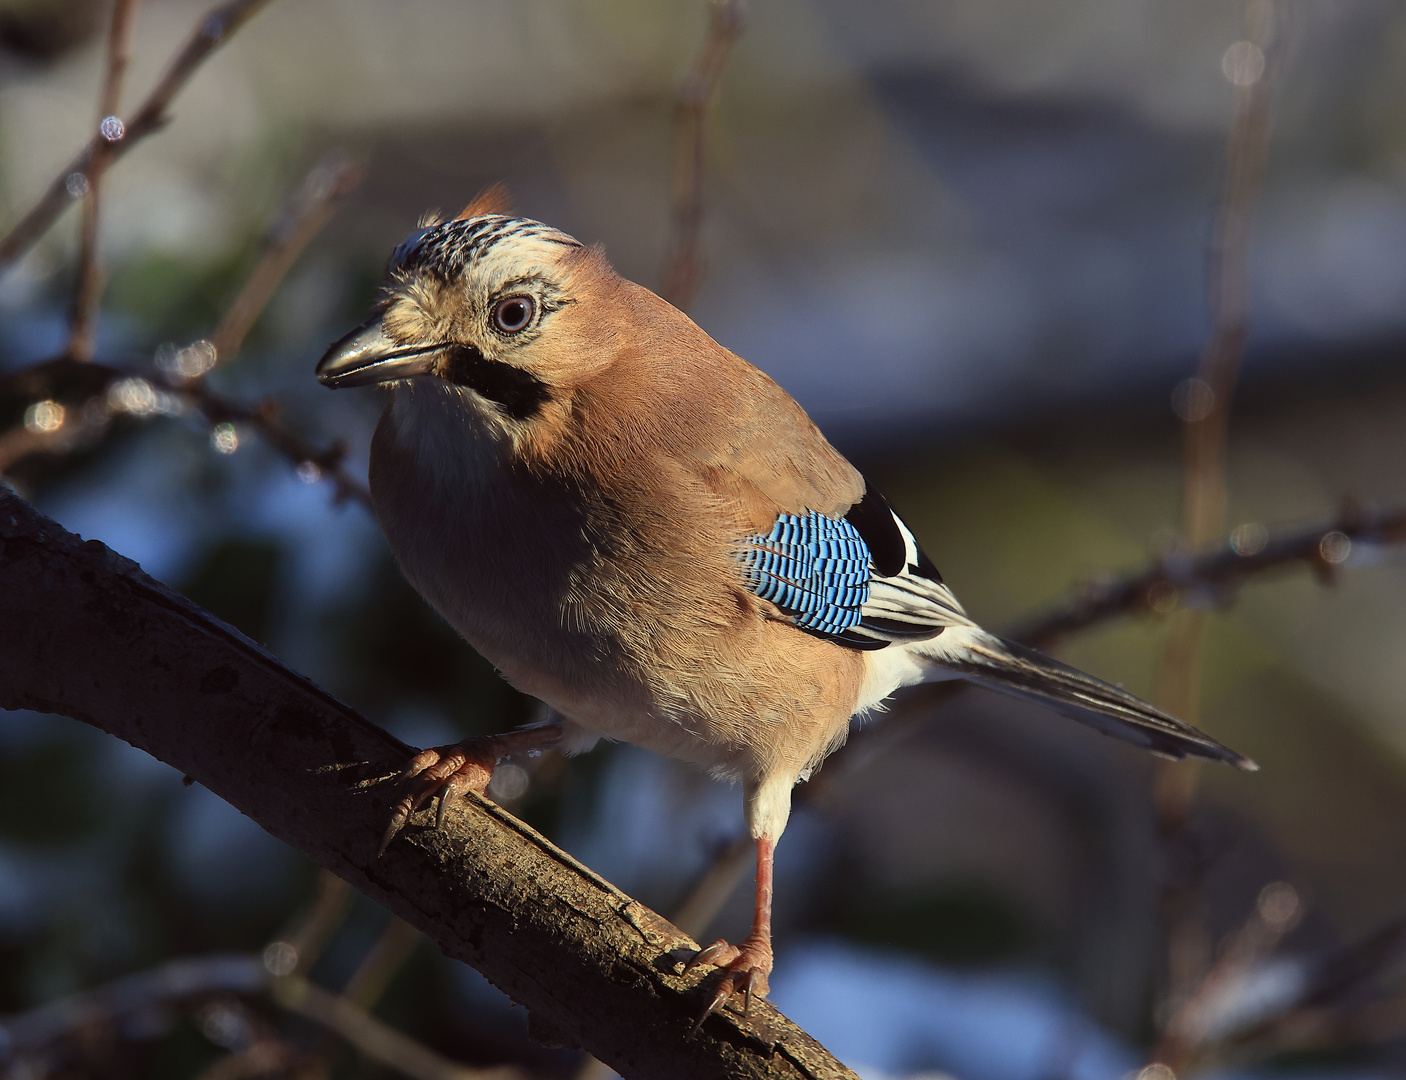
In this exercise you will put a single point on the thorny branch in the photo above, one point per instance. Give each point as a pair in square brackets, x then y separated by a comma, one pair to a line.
[683, 267]
[106, 146]
[83, 324]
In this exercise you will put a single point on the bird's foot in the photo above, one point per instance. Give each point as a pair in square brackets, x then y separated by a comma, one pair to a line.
[446, 771]
[745, 965]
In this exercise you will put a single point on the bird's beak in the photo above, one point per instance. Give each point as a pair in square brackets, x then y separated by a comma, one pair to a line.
[367, 355]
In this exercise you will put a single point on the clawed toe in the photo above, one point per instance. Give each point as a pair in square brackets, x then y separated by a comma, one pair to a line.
[745, 969]
[718, 954]
[446, 771]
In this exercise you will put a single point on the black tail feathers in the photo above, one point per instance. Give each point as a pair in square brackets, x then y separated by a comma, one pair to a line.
[1023, 672]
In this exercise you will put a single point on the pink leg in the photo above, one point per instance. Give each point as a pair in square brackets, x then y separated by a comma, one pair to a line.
[748, 963]
[449, 771]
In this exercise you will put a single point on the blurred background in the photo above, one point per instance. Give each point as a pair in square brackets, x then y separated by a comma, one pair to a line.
[973, 239]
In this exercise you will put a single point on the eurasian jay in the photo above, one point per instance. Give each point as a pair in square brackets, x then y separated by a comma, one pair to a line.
[641, 529]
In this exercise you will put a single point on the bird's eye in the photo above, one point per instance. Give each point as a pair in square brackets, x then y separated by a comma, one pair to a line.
[513, 313]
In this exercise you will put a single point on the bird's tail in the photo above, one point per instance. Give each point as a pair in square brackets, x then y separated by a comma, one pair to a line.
[972, 653]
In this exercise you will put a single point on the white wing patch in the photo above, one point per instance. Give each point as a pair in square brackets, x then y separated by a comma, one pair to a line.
[909, 605]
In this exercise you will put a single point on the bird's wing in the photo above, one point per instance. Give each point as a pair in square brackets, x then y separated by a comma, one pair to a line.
[859, 579]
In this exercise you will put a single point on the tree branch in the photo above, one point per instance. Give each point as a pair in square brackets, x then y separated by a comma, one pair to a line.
[215, 28]
[683, 265]
[317, 200]
[108, 390]
[85, 633]
[1214, 574]
[88, 293]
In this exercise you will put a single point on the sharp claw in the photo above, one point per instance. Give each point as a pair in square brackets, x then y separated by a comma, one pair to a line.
[399, 817]
[443, 806]
[719, 999]
[430, 772]
[391, 830]
[747, 997]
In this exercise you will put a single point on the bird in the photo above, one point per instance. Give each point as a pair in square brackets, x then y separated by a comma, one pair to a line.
[644, 531]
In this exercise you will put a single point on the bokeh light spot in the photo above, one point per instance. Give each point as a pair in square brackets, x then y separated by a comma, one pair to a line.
[1162, 597]
[1335, 547]
[1243, 63]
[1249, 539]
[280, 958]
[1193, 400]
[44, 417]
[191, 362]
[133, 395]
[112, 128]
[509, 782]
[224, 438]
[1279, 906]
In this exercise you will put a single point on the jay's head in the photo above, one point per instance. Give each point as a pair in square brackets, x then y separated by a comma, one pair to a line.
[486, 307]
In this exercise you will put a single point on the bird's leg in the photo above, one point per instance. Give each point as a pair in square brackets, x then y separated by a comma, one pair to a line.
[748, 963]
[449, 771]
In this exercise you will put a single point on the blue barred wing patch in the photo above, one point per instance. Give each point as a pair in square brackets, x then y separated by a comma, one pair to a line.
[814, 568]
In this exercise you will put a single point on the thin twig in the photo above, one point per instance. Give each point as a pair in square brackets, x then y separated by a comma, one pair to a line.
[181, 980]
[313, 932]
[683, 266]
[147, 393]
[318, 199]
[1194, 1022]
[215, 28]
[30, 1032]
[326, 462]
[713, 889]
[267, 1057]
[83, 323]
[1215, 575]
[374, 1038]
[1203, 402]
[379, 965]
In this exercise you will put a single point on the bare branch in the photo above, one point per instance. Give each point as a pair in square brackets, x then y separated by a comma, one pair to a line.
[683, 266]
[32, 1031]
[267, 1057]
[375, 1039]
[83, 322]
[315, 930]
[716, 886]
[326, 462]
[1213, 576]
[216, 27]
[378, 967]
[111, 391]
[1203, 402]
[88, 635]
[182, 980]
[317, 200]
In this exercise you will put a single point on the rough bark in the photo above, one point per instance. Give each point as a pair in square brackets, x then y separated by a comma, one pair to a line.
[85, 633]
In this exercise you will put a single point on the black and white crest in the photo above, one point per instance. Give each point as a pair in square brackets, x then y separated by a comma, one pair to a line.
[446, 250]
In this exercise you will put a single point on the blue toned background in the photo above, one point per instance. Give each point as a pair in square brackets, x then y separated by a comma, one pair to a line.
[971, 239]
